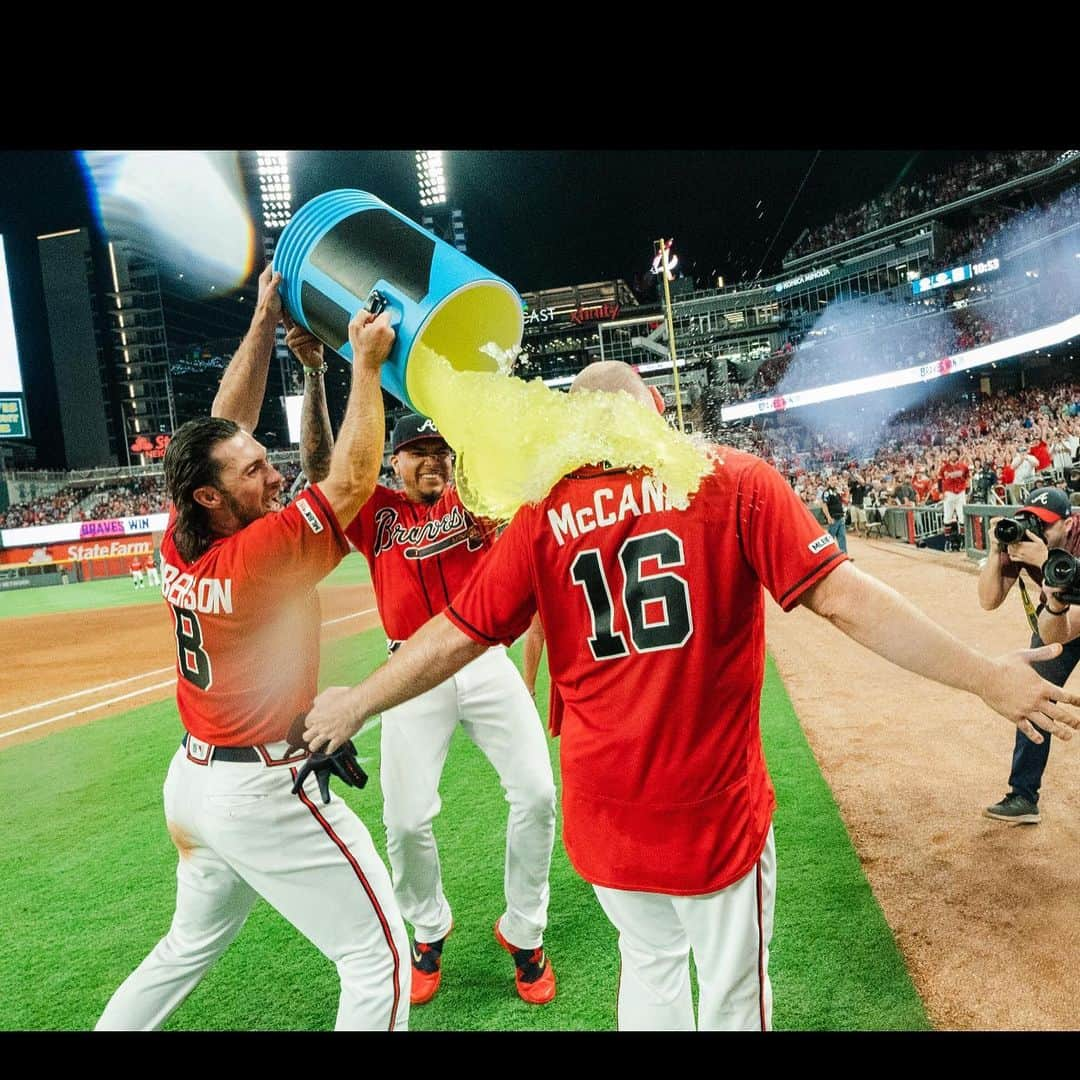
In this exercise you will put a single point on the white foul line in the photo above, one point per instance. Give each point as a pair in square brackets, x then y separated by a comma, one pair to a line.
[87, 708]
[355, 614]
[81, 693]
[122, 697]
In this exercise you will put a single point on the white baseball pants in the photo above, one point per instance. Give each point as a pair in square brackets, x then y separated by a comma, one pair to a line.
[729, 932]
[954, 503]
[241, 834]
[488, 698]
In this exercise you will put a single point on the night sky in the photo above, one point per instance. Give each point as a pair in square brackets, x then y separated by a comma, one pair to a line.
[539, 218]
[544, 218]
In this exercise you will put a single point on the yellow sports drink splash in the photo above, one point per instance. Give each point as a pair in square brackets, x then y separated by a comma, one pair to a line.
[456, 325]
[515, 440]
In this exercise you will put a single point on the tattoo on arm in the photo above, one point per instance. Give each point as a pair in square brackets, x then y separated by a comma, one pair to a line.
[316, 438]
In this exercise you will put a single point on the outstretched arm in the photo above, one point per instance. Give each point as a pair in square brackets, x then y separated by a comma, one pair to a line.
[435, 652]
[243, 386]
[878, 617]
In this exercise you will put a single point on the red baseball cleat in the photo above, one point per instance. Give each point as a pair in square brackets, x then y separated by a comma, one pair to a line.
[426, 970]
[534, 975]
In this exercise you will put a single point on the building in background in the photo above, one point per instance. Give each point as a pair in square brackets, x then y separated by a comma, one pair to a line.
[87, 423]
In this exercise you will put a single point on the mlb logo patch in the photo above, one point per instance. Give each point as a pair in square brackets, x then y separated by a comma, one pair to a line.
[312, 519]
[821, 543]
[198, 751]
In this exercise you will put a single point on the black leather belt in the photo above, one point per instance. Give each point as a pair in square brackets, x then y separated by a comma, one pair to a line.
[230, 753]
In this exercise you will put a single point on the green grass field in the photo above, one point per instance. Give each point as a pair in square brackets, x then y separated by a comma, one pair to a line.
[87, 889]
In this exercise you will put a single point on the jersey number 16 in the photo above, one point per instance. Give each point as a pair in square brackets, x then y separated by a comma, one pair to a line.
[667, 593]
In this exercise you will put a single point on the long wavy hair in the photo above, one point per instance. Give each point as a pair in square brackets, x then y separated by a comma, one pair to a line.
[190, 465]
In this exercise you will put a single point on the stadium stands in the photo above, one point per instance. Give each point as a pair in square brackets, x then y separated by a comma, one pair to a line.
[907, 200]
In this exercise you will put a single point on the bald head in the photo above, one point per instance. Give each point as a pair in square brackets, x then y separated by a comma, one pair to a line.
[611, 375]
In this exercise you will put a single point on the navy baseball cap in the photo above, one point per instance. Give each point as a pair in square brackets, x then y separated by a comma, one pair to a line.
[412, 428]
[1048, 504]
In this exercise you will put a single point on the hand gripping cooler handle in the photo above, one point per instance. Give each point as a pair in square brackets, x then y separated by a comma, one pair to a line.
[378, 302]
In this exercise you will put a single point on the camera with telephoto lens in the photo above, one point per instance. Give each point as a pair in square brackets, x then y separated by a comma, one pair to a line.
[1014, 530]
[1062, 571]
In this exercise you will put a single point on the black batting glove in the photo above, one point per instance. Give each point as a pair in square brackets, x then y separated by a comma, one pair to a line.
[341, 763]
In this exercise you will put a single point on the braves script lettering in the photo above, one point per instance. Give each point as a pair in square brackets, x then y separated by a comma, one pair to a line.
[427, 539]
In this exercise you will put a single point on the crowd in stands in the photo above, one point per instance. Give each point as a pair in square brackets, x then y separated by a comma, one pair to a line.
[906, 200]
[116, 498]
[42, 509]
[933, 336]
[1012, 442]
[864, 337]
[1004, 228]
[145, 495]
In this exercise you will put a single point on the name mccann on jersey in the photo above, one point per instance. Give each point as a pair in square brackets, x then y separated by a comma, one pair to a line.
[205, 595]
[567, 521]
[388, 532]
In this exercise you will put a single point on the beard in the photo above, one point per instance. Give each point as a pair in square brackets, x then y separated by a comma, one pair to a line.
[242, 513]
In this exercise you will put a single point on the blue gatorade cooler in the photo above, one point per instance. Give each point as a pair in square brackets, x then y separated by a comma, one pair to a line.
[346, 250]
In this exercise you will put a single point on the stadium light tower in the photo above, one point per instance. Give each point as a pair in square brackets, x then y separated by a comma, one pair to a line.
[430, 177]
[433, 190]
[275, 191]
[275, 198]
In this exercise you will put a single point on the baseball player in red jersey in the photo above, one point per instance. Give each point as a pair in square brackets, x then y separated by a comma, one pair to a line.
[954, 477]
[150, 566]
[421, 545]
[239, 575]
[135, 566]
[654, 619]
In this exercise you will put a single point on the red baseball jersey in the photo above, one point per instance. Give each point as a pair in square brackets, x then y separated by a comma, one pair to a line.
[655, 623]
[246, 618]
[135, 566]
[953, 477]
[1041, 452]
[420, 554]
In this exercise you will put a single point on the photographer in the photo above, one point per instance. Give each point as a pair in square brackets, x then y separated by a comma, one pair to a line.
[1047, 522]
[832, 506]
[857, 491]
[983, 480]
[1072, 480]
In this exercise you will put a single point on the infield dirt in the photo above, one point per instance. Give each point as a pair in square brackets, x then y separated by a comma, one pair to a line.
[984, 912]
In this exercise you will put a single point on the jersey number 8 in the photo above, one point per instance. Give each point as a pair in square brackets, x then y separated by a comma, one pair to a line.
[667, 593]
[193, 659]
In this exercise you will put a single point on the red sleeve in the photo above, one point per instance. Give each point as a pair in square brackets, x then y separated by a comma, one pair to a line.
[361, 530]
[497, 602]
[781, 539]
[295, 549]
